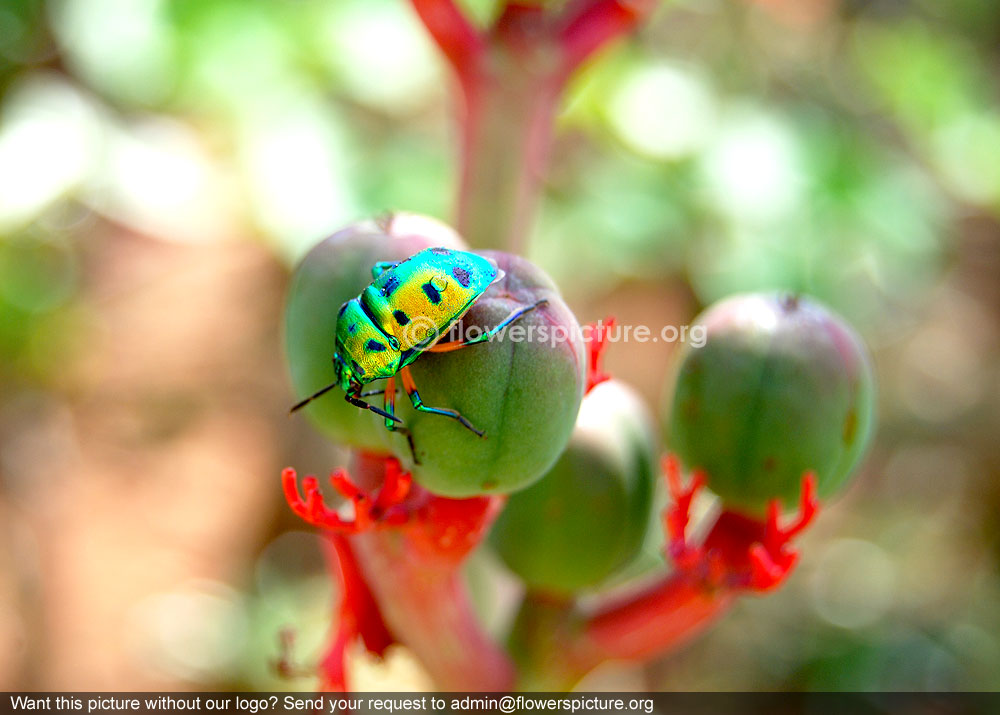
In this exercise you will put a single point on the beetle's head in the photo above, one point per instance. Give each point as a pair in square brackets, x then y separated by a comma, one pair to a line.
[344, 374]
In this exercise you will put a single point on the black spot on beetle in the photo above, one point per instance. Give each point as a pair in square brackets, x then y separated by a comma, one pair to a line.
[461, 275]
[375, 346]
[432, 293]
[358, 370]
[401, 317]
[390, 286]
[352, 328]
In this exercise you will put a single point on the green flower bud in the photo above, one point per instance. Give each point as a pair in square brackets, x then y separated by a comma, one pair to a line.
[522, 389]
[334, 271]
[587, 517]
[781, 386]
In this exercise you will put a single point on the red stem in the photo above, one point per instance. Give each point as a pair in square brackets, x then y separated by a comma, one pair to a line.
[588, 25]
[427, 608]
[414, 573]
[556, 645]
[357, 615]
[512, 77]
[457, 38]
[504, 154]
[654, 621]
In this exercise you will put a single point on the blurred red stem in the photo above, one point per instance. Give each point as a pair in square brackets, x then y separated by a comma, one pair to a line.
[556, 644]
[456, 37]
[512, 76]
[588, 25]
[507, 134]
[653, 621]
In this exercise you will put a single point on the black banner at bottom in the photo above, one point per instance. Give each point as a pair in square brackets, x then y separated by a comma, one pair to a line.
[72, 703]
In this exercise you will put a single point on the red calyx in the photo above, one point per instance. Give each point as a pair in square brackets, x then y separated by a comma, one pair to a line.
[384, 510]
[436, 529]
[740, 552]
[597, 342]
[449, 529]
[438, 526]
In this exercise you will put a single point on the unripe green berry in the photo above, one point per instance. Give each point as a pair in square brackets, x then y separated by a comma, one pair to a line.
[524, 393]
[781, 386]
[587, 517]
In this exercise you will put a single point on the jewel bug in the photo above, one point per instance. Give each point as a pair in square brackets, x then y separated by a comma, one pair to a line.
[405, 311]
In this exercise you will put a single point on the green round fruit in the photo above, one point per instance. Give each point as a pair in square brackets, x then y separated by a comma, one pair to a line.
[781, 386]
[523, 390]
[587, 517]
[523, 393]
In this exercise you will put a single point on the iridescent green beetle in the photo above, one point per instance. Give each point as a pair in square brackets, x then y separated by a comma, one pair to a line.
[403, 313]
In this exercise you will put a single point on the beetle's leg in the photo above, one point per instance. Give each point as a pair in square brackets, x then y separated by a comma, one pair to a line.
[356, 400]
[390, 408]
[381, 267]
[372, 393]
[418, 404]
[459, 344]
[389, 405]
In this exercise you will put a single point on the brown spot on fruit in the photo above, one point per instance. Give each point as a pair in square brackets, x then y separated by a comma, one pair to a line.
[850, 427]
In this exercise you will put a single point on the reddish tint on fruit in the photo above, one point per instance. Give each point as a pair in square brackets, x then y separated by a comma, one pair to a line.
[782, 386]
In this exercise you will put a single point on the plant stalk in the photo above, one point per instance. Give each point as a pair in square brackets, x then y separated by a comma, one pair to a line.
[555, 644]
[512, 76]
[423, 600]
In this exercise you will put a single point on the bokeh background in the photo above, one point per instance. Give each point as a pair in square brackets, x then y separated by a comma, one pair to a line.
[163, 163]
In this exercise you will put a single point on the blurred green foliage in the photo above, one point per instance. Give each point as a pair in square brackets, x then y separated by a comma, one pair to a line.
[823, 143]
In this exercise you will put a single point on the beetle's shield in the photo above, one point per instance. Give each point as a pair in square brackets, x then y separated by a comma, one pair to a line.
[419, 299]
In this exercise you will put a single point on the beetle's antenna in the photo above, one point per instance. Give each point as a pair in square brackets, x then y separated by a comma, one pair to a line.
[320, 393]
